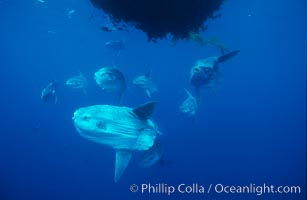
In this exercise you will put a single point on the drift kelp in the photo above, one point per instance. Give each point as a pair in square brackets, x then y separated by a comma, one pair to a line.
[157, 18]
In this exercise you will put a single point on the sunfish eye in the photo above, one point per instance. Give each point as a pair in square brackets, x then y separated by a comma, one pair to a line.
[86, 118]
[196, 70]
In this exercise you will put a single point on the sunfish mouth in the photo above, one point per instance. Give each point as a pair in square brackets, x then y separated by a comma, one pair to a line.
[75, 116]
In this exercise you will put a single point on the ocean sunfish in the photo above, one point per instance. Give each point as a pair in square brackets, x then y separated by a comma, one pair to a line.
[77, 82]
[145, 82]
[205, 72]
[154, 155]
[116, 45]
[189, 105]
[48, 94]
[124, 129]
[111, 79]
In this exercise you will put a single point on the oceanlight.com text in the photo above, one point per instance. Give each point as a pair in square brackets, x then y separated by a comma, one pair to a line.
[196, 188]
[257, 189]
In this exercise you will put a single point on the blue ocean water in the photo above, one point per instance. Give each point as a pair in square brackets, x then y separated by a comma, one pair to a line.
[251, 130]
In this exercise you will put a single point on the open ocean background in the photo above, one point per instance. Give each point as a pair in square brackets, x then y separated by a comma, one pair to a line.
[252, 130]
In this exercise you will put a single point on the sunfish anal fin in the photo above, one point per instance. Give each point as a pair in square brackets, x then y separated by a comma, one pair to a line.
[121, 162]
[145, 110]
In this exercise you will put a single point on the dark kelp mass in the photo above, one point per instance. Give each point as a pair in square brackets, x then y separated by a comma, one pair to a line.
[157, 18]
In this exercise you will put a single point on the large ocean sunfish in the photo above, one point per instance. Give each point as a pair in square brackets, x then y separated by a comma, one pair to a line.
[124, 129]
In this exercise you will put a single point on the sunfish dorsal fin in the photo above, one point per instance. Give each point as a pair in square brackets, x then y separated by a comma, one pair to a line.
[121, 162]
[145, 110]
[228, 56]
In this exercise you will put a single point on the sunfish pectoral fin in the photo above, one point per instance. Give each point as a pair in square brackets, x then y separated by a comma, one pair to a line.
[145, 110]
[148, 93]
[121, 162]
[187, 92]
[228, 56]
